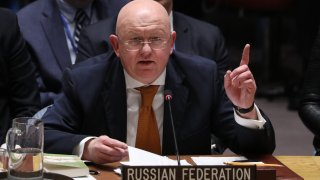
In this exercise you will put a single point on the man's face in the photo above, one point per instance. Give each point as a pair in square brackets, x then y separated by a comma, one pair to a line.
[144, 62]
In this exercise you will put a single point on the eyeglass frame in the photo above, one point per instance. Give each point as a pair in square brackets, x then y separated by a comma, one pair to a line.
[142, 43]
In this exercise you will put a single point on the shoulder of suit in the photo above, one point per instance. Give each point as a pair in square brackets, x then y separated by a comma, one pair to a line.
[193, 67]
[32, 12]
[95, 69]
[97, 61]
[184, 58]
[35, 5]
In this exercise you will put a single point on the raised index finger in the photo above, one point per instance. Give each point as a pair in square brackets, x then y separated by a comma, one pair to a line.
[245, 55]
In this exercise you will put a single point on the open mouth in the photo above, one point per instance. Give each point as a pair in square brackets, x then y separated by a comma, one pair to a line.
[146, 62]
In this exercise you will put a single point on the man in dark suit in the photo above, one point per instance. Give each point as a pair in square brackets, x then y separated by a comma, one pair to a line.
[19, 92]
[48, 27]
[98, 115]
[193, 37]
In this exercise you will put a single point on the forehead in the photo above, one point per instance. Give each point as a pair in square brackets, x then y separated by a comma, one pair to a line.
[143, 21]
[144, 32]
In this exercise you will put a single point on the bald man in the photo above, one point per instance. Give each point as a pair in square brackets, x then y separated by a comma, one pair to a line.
[194, 37]
[97, 115]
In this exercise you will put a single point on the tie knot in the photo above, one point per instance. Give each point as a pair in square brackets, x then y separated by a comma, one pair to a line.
[147, 94]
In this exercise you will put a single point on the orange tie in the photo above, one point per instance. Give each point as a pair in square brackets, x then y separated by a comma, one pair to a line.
[148, 137]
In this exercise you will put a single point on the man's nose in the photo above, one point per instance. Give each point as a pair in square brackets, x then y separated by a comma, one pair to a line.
[146, 45]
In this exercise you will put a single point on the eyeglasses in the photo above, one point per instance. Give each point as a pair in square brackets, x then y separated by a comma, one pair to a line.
[156, 43]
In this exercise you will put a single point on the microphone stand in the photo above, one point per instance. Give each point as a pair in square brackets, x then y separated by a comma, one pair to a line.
[169, 94]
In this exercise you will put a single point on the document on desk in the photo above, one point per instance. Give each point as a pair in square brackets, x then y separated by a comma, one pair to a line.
[206, 161]
[139, 157]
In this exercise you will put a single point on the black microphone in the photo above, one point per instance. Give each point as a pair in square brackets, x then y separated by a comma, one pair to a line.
[168, 98]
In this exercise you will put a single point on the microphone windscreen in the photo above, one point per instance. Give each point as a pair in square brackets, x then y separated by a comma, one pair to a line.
[168, 94]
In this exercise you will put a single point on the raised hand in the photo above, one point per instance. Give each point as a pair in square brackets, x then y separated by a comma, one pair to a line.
[239, 84]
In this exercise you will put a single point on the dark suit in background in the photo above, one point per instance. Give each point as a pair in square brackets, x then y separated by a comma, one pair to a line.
[193, 37]
[309, 108]
[94, 103]
[43, 30]
[19, 93]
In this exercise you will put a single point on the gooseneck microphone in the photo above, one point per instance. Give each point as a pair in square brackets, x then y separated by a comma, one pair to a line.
[168, 98]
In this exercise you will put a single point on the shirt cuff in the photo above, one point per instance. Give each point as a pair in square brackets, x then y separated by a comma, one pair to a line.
[251, 123]
[78, 150]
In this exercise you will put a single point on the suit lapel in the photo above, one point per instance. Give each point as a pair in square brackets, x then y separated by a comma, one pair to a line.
[174, 82]
[115, 103]
[53, 28]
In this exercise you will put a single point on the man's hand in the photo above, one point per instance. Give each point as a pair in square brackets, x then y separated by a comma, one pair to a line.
[104, 150]
[239, 84]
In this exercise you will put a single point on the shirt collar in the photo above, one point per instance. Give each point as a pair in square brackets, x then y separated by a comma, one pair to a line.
[69, 12]
[132, 83]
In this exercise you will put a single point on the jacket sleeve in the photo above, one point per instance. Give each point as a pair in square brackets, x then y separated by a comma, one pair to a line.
[62, 120]
[24, 94]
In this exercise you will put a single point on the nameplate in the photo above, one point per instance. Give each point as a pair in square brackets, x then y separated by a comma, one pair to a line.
[188, 172]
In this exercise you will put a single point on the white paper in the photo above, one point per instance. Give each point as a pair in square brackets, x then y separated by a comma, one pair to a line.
[206, 161]
[139, 157]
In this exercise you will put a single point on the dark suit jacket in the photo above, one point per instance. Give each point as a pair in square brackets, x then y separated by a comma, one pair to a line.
[309, 109]
[19, 93]
[193, 37]
[43, 30]
[94, 104]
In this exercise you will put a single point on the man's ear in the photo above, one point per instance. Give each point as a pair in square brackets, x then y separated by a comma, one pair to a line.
[115, 43]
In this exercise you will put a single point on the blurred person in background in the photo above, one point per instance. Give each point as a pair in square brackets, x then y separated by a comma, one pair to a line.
[309, 108]
[51, 29]
[19, 91]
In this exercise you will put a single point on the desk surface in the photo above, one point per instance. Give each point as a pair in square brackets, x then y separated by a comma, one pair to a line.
[308, 167]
